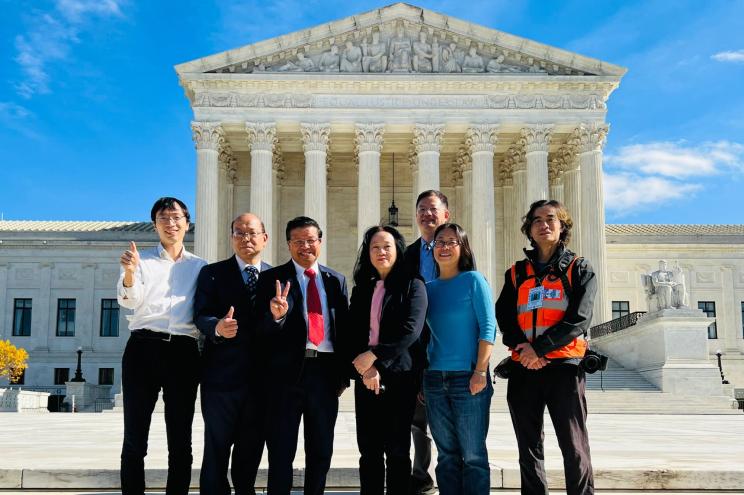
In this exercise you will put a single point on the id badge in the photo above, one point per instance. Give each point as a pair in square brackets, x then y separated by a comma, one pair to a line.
[535, 298]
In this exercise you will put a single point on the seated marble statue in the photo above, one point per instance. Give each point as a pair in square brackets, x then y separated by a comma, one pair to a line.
[351, 58]
[423, 55]
[399, 59]
[303, 64]
[664, 284]
[374, 58]
[473, 62]
[449, 62]
[329, 61]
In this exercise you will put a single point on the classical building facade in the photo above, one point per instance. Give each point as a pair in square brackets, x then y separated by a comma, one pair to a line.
[338, 121]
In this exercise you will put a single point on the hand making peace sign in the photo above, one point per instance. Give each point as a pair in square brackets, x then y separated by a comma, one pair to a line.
[278, 304]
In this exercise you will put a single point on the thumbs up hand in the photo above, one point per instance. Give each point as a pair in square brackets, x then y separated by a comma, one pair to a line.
[130, 258]
[227, 327]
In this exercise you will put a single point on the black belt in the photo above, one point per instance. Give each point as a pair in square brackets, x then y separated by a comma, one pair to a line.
[314, 354]
[144, 333]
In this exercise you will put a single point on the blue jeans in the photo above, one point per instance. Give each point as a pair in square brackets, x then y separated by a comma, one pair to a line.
[459, 425]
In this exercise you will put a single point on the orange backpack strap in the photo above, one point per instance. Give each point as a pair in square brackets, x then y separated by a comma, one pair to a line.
[514, 275]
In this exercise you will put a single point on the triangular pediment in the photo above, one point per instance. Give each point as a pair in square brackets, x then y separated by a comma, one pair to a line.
[400, 39]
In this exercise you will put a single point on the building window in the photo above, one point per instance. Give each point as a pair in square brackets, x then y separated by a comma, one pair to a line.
[20, 380]
[65, 317]
[620, 309]
[22, 317]
[709, 308]
[109, 318]
[105, 376]
[61, 376]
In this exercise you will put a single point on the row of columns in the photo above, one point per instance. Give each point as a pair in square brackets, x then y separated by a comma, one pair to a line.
[490, 205]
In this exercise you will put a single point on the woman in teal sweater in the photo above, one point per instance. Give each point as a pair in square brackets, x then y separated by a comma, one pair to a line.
[457, 387]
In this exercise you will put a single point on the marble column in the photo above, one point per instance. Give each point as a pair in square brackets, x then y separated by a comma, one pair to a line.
[262, 141]
[555, 180]
[535, 140]
[224, 246]
[413, 164]
[232, 179]
[278, 247]
[209, 138]
[464, 164]
[427, 140]
[591, 138]
[315, 139]
[572, 199]
[509, 235]
[480, 140]
[521, 202]
[368, 146]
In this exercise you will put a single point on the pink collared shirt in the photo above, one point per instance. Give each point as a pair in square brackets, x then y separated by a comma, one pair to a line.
[375, 313]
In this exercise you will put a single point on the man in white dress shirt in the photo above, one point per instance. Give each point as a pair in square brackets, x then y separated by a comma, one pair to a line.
[162, 351]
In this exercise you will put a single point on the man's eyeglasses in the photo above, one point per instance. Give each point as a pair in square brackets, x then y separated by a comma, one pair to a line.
[303, 242]
[246, 235]
[448, 244]
[424, 211]
[166, 220]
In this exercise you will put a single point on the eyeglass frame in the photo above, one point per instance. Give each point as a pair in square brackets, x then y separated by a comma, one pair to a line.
[167, 220]
[299, 243]
[449, 244]
[246, 235]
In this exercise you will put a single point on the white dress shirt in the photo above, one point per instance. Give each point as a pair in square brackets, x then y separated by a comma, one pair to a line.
[325, 345]
[162, 295]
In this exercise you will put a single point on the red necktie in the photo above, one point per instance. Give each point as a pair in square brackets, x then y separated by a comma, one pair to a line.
[314, 310]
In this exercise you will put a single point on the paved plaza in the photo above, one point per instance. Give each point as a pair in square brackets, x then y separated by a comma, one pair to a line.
[630, 452]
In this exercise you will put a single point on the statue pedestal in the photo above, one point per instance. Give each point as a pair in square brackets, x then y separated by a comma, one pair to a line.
[86, 395]
[669, 348]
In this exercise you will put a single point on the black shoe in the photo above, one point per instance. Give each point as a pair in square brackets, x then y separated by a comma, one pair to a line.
[422, 488]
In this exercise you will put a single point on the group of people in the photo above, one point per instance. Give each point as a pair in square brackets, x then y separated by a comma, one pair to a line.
[281, 344]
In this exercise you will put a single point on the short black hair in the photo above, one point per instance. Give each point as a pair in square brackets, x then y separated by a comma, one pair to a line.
[301, 223]
[466, 262]
[433, 192]
[168, 203]
[364, 271]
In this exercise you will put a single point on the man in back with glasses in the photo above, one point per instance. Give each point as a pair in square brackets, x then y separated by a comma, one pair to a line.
[158, 284]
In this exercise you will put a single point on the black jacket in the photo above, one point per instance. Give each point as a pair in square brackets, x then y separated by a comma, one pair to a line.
[403, 317]
[282, 344]
[226, 363]
[578, 316]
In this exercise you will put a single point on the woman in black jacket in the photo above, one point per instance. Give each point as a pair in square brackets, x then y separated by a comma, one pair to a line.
[388, 310]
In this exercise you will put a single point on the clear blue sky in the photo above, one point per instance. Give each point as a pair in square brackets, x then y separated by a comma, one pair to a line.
[94, 126]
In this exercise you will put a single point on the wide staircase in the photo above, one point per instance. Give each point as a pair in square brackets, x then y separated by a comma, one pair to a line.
[616, 391]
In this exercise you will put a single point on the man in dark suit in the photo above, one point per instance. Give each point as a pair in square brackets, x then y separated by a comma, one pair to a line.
[305, 316]
[231, 406]
[431, 212]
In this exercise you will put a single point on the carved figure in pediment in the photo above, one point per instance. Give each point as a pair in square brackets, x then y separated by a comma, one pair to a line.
[351, 58]
[374, 58]
[436, 54]
[303, 64]
[535, 68]
[449, 60]
[330, 60]
[497, 65]
[399, 59]
[473, 62]
[422, 54]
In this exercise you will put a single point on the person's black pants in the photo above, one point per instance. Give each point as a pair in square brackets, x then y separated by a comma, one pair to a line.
[314, 399]
[231, 417]
[149, 365]
[561, 388]
[383, 427]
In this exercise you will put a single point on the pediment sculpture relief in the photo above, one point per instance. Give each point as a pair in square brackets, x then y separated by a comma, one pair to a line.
[400, 52]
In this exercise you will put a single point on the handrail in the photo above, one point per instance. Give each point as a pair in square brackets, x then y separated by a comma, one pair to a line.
[615, 325]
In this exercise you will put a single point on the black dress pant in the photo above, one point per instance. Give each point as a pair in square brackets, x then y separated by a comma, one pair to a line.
[314, 399]
[561, 388]
[383, 426]
[233, 418]
[149, 365]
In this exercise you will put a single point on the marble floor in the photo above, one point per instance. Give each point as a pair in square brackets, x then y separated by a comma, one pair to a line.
[630, 452]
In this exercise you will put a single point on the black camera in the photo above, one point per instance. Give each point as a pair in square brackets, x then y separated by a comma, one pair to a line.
[504, 368]
[593, 362]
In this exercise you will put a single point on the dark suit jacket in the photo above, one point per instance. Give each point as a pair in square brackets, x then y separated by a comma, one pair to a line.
[226, 362]
[412, 257]
[403, 316]
[283, 343]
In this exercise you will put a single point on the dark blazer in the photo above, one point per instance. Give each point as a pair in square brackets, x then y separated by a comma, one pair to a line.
[412, 257]
[403, 316]
[282, 343]
[225, 362]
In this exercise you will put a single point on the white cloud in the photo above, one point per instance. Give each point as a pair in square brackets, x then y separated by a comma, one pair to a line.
[679, 159]
[52, 37]
[729, 56]
[16, 117]
[629, 192]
